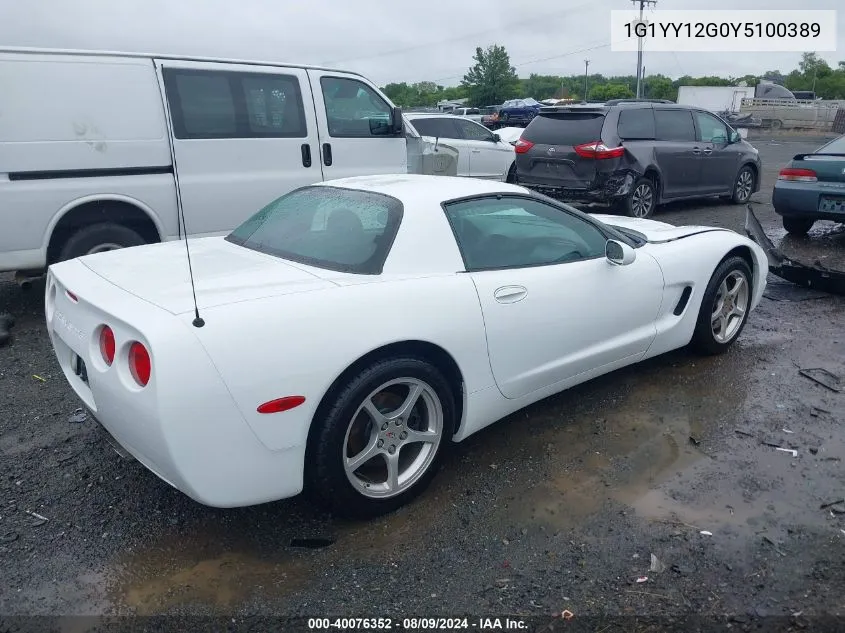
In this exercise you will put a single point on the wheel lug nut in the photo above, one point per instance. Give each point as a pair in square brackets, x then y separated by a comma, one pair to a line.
[384, 426]
[392, 449]
[380, 443]
[403, 435]
[398, 421]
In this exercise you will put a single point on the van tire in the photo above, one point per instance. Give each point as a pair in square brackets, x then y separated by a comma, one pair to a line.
[97, 238]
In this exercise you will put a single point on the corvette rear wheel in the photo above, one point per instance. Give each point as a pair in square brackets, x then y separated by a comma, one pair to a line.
[724, 308]
[382, 439]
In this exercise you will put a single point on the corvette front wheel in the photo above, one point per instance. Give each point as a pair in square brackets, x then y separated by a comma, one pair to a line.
[382, 438]
[724, 308]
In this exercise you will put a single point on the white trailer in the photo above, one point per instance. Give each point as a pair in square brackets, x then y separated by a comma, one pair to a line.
[715, 98]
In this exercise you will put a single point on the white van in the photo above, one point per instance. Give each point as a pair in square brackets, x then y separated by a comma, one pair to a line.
[97, 150]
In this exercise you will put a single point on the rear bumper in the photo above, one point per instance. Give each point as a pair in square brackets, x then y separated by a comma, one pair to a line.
[184, 425]
[614, 187]
[800, 199]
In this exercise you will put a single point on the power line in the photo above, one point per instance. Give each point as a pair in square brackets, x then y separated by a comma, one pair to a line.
[398, 51]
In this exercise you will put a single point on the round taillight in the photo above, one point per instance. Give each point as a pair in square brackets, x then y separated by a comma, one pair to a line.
[139, 363]
[107, 344]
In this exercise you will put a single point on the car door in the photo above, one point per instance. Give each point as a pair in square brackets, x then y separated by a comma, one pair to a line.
[488, 158]
[242, 137]
[719, 159]
[677, 152]
[554, 307]
[444, 127]
[354, 122]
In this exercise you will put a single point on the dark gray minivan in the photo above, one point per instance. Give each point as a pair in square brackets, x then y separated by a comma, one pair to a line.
[635, 155]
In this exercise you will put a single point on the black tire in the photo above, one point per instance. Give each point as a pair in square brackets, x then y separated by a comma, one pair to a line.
[325, 474]
[797, 225]
[512, 174]
[704, 340]
[643, 188]
[744, 184]
[88, 239]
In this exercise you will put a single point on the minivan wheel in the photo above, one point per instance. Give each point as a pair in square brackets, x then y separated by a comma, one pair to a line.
[99, 238]
[798, 226]
[642, 199]
[512, 174]
[743, 186]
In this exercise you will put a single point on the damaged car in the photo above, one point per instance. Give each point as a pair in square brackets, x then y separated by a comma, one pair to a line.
[635, 156]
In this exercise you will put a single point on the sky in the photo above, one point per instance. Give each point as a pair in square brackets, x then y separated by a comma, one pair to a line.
[386, 40]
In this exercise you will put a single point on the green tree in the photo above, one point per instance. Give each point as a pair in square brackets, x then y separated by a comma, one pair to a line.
[492, 79]
[603, 92]
[660, 87]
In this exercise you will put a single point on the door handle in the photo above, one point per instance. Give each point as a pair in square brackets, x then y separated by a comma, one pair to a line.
[306, 155]
[707, 151]
[476, 151]
[696, 151]
[327, 154]
[510, 294]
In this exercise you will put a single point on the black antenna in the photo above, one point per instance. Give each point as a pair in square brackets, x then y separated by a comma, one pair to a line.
[198, 321]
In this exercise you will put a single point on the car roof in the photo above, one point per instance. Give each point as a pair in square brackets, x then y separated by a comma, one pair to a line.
[425, 189]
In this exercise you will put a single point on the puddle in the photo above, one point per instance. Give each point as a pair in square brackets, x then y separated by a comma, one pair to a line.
[641, 441]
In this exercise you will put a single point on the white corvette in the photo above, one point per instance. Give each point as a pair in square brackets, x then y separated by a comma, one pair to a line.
[350, 331]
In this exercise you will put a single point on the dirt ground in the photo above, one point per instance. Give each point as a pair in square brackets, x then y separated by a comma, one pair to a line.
[559, 507]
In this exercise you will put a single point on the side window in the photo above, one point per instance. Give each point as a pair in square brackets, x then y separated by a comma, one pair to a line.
[212, 104]
[473, 132]
[674, 125]
[636, 124]
[710, 129]
[202, 104]
[437, 127]
[273, 106]
[515, 232]
[354, 110]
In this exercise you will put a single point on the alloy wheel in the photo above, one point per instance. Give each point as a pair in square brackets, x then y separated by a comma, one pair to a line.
[642, 201]
[730, 307]
[393, 438]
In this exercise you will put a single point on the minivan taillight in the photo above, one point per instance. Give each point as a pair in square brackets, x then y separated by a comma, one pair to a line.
[107, 345]
[522, 146]
[598, 150]
[140, 365]
[802, 175]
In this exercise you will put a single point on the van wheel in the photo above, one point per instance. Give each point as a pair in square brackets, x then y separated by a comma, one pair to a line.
[743, 186]
[797, 225]
[99, 238]
[642, 199]
[512, 174]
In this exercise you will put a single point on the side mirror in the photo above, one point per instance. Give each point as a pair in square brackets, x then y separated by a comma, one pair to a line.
[619, 253]
[735, 137]
[396, 125]
[496, 138]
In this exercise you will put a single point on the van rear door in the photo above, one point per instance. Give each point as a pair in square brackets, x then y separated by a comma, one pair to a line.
[243, 135]
[354, 122]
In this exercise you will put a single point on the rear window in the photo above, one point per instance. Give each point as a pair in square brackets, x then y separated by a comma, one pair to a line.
[636, 124]
[836, 146]
[569, 128]
[346, 230]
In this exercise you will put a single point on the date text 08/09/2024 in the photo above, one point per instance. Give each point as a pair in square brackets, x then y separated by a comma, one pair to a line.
[417, 624]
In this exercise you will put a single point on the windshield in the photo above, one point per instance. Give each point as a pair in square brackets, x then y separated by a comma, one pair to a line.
[346, 230]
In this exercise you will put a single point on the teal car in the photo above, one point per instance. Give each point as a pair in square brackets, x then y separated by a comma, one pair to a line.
[812, 187]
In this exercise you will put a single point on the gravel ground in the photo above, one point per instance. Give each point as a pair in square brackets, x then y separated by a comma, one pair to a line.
[560, 506]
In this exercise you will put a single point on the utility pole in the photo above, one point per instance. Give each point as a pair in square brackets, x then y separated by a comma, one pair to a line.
[586, 66]
[640, 47]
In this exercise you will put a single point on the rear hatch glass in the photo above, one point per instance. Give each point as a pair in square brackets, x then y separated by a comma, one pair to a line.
[552, 160]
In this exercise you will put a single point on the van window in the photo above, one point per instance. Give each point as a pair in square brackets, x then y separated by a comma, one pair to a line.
[674, 125]
[565, 128]
[211, 104]
[354, 110]
[636, 124]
